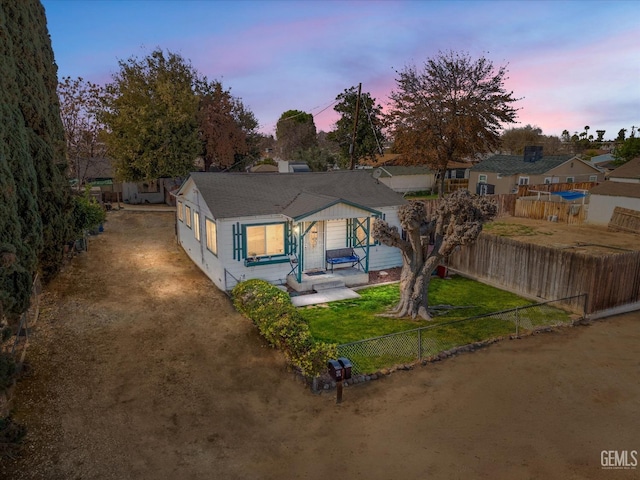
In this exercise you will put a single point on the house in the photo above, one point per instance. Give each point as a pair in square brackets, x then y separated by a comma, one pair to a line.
[406, 179]
[264, 168]
[98, 173]
[621, 190]
[605, 197]
[279, 228]
[285, 166]
[150, 191]
[504, 173]
[628, 172]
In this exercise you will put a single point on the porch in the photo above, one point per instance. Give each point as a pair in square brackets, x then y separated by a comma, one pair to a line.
[325, 279]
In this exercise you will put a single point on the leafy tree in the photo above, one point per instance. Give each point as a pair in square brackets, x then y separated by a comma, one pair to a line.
[600, 135]
[622, 134]
[80, 107]
[628, 149]
[369, 137]
[427, 240]
[515, 139]
[295, 131]
[451, 109]
[35, 204]
[151, 115]
[318, 159]
[225, 125]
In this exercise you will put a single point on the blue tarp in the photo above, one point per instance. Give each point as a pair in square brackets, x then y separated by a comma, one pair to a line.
[570, 195]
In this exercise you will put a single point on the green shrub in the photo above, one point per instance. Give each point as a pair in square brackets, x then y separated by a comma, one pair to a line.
[87, 213]
[280, 323]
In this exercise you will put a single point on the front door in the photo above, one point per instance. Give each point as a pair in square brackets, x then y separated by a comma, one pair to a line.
[314, 247]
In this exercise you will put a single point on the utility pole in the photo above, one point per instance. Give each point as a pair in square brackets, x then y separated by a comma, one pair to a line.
[352, 147]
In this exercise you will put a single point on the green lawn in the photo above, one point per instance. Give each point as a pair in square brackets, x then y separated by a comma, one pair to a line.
[352, 320]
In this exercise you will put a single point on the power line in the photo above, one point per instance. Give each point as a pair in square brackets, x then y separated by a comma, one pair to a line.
[305, 113]
[375, 135]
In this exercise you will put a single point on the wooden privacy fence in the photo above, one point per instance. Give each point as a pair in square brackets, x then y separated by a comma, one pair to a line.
[524, 190]
[563, 212]
[625, 220]
[548, 273]
[453, 184]
[505, 202]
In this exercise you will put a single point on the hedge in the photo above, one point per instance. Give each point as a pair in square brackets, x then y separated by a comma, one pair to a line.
[280, 323]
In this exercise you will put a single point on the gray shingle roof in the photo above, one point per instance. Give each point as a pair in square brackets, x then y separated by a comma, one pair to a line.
[231, 195]
[617, 189]
[515, 164]
[631, 169]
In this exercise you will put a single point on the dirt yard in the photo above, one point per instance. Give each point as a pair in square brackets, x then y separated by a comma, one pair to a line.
[141, 369]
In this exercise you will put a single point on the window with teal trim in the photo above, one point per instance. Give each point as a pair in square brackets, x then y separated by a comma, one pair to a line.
[266, 243]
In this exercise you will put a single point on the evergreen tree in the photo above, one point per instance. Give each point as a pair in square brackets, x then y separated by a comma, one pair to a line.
[369, 136]
[295, 131]
[35, 209]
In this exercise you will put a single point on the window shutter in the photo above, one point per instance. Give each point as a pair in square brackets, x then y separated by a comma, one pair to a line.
[292, 242]
[238, 243]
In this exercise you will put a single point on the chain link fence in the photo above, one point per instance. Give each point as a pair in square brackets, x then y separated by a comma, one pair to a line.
[373, 354]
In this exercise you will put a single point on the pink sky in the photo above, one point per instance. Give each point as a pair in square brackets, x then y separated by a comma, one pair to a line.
[575, 63]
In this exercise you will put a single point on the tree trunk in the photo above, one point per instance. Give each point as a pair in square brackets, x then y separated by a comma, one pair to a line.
[414, 288]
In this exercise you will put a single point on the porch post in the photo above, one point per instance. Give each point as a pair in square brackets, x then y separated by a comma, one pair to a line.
[367, 236]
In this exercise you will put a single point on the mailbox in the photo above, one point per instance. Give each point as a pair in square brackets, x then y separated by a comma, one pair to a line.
[335, 370]
[346, 365]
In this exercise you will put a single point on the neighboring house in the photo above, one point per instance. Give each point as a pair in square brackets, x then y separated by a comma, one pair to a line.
[628, 172]
[604, 158]
[605, 197]
[264, 168]
[239, 226]
[150, 191]
[458, 170]
[604, 162]
[285, 166]
[406, 179]
[504, 173]
[98, 173]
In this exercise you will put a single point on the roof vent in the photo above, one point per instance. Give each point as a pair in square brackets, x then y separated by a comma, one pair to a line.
[532, 153]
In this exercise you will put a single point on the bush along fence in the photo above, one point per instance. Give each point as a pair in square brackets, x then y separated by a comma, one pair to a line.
[280, 323]
[14, 340]
[438, 341]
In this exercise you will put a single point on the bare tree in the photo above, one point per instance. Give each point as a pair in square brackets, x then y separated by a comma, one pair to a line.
[451, 109]
[80, 106]
[425, 242]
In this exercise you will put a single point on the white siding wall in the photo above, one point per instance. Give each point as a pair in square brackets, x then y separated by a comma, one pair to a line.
[381, 256]
[130, 194]
[197, 250]
[624, 180]
[336, 234]
[601, 207]
[339, 210]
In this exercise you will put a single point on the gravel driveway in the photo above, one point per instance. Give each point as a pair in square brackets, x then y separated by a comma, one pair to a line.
[141, 369]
